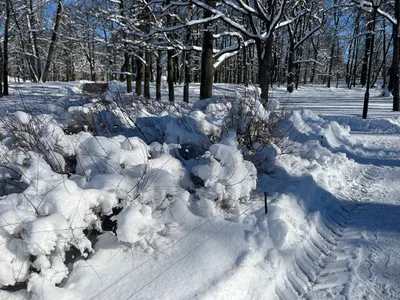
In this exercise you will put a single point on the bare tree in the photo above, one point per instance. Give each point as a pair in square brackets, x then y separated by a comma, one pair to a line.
[53, 41]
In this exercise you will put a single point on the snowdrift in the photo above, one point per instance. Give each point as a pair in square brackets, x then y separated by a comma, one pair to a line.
[66, 182]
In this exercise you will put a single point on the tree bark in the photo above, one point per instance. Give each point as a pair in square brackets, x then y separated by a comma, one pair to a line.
[139, 75]
[170, 75]
[264, 53]
[1, 71]
[158, 76]
[354, 50]
[354, 73]
[35, 48]
[290, 74]
[245, 71]
[314, 69]
[147, 75]
[187, 68]
[5, 48]
[336, 17]
[53, 41]
[364, 69]
[394, 84]
[170, 64]
[127, 62]
[207, 59]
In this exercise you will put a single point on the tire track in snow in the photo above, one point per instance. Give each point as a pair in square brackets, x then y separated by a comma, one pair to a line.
[320, 264]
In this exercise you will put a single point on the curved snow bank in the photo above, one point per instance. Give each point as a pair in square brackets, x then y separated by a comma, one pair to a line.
[377, 125]
[304, 125]
[287, 221]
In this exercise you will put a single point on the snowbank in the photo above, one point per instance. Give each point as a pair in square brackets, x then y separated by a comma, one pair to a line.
[72, 181]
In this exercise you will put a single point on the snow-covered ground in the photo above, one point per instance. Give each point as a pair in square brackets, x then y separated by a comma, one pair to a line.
[191, 224]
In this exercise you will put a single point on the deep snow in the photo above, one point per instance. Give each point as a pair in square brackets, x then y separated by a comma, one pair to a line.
[331, 231]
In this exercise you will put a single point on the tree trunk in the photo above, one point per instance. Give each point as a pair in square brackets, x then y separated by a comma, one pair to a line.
[170, 75]
[336, 17]
[367, 50]
[352, 63]
[5, 48]
[158, 76]
[53, 41]
[354, 73]
[139, 75]
[187, 68]
[36, 58]
[170, 64]
[348, 63]
[207, 59]
[264, 53]
[384, 70]
[151, 68]
[1, 71]
[128, 72]
[147, 75]
[176, 69]
[245, 71]
[290, 74]
[127, 62]
[394, 83]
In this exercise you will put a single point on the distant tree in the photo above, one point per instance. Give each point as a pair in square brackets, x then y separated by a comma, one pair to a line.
[395, 68]
[50, 53]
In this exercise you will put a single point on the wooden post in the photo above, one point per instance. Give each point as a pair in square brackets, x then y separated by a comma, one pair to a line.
[265, 202]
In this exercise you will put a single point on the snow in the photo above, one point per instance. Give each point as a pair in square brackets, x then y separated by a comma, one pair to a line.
[109, 199]
[135, 224]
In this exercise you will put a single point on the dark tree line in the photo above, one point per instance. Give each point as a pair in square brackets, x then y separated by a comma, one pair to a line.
[262, 42]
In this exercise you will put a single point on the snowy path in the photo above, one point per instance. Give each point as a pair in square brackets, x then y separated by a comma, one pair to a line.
[365, 261]
[353, 252]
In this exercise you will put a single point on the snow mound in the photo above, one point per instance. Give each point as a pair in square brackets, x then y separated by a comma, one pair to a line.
[302, 126]
[135, 224]
[376, 125]
[227, 177]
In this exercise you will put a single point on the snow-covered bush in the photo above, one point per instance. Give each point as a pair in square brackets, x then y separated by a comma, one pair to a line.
[41, 134]
[45, 220]
[256, 126]
[99, 118]
[137, 186]
[228, 178]
[55, 213]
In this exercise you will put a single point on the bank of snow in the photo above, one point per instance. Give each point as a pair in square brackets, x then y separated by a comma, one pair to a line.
[172, 210]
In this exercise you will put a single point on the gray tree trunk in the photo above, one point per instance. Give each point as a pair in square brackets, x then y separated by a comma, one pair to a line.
[187, 69]
[264, 52]
[139, 75]
[364, 69]
[127, 63]
[207, 59]
[147, 75]
[35, 48]
[5, 48]
[53, 41]
[158, 76]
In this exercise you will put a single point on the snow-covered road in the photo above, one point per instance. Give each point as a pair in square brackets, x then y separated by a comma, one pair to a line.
[353, 248]
[353, 252]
